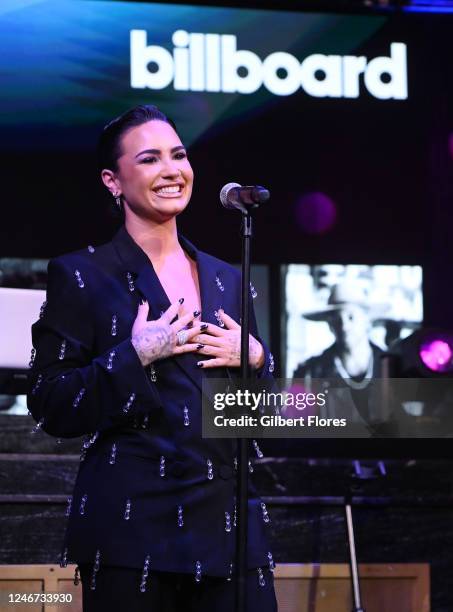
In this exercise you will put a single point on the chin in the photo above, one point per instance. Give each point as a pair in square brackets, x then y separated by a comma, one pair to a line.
[168, 211]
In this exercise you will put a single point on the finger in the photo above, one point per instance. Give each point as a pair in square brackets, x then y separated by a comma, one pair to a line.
[142, 312]
[205, 339]
[182, 322]
[172, 311]
[210, 328]
[229, 322]
[185, 348]
[212, 363]
[210, 351]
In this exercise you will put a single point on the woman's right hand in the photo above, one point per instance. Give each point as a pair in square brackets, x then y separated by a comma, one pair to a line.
[157, 339]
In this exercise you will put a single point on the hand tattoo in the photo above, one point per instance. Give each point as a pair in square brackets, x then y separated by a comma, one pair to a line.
[153, 342]
[234, 351]
[234, 348]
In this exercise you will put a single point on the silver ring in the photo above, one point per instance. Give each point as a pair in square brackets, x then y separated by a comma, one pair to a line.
[182, 337]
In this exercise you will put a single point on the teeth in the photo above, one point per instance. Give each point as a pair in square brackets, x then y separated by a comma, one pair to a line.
[172, 189]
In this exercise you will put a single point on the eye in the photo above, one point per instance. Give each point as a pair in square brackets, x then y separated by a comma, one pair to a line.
[149, 160]
[180, 155]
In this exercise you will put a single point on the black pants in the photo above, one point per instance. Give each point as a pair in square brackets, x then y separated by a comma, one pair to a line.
[118, 589]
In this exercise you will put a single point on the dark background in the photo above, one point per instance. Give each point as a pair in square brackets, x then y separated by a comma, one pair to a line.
[386, 165]
[388, 168]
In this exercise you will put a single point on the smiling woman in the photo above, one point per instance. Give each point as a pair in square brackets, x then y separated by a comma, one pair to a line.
[153, 176]
[129, 331]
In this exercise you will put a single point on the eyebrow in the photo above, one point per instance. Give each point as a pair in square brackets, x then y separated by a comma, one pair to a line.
[158, 151]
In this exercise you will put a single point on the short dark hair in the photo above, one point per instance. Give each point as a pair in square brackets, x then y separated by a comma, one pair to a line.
[109, 144]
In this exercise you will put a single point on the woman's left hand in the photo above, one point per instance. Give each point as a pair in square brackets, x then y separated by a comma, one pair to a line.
[223, 345]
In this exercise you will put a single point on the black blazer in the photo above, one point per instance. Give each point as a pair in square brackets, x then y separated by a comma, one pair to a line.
[150, 490]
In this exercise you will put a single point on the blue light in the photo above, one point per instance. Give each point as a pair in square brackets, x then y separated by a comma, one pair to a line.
[427, 9]
[424, 6]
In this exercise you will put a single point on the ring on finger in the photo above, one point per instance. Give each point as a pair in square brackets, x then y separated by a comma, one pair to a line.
[182, 337]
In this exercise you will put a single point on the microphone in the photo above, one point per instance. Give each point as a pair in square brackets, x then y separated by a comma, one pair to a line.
[235, 196]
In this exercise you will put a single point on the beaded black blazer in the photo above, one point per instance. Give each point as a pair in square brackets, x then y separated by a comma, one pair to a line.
[150, 492]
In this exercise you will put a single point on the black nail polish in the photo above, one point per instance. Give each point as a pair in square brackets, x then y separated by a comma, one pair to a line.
[204, 326]
[196, 313]
[200, 364]
[200, 346]
[181, 300]
[175, 318]
[189, 325]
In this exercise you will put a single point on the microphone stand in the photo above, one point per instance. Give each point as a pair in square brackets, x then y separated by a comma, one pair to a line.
[355, 581]
[244, 199]
[243, 451]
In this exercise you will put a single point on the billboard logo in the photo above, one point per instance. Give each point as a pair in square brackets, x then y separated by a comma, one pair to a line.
[212, 63]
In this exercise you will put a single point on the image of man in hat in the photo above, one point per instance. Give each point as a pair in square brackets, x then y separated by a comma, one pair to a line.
[352, 356]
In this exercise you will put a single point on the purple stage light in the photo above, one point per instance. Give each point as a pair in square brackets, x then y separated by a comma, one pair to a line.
[295, 406]
[316, 213]
[437, 355]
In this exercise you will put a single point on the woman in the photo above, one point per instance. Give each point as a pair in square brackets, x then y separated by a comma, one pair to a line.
[128, 331]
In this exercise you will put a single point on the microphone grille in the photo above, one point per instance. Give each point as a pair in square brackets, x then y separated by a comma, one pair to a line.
[224, 193]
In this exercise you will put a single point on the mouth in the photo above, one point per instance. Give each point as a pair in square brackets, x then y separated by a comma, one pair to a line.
[169, 191]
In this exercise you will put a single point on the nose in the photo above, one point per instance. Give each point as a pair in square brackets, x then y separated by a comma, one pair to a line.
[347, 321]
[170, 168]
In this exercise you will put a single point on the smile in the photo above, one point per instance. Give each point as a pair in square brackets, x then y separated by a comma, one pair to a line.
[169, 190]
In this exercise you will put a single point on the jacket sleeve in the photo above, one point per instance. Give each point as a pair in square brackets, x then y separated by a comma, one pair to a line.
[72, 391]
[267, 369]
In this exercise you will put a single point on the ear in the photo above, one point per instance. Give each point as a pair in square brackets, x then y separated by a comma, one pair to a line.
[110, 181]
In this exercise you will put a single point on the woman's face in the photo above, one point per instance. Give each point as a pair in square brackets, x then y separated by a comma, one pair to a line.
[154, 175]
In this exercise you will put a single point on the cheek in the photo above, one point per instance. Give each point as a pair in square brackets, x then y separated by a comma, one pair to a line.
[359, 329]
[188, 172]
[132, 176]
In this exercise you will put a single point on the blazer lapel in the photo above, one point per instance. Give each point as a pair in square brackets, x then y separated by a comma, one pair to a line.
[210, 296]
[212, 293]
[137, 264]
[211, 300]
[146, 282]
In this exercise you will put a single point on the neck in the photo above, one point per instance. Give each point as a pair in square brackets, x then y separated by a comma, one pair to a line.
[158, 240]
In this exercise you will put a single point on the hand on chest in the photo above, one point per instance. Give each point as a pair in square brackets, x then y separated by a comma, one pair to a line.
[117, 293]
